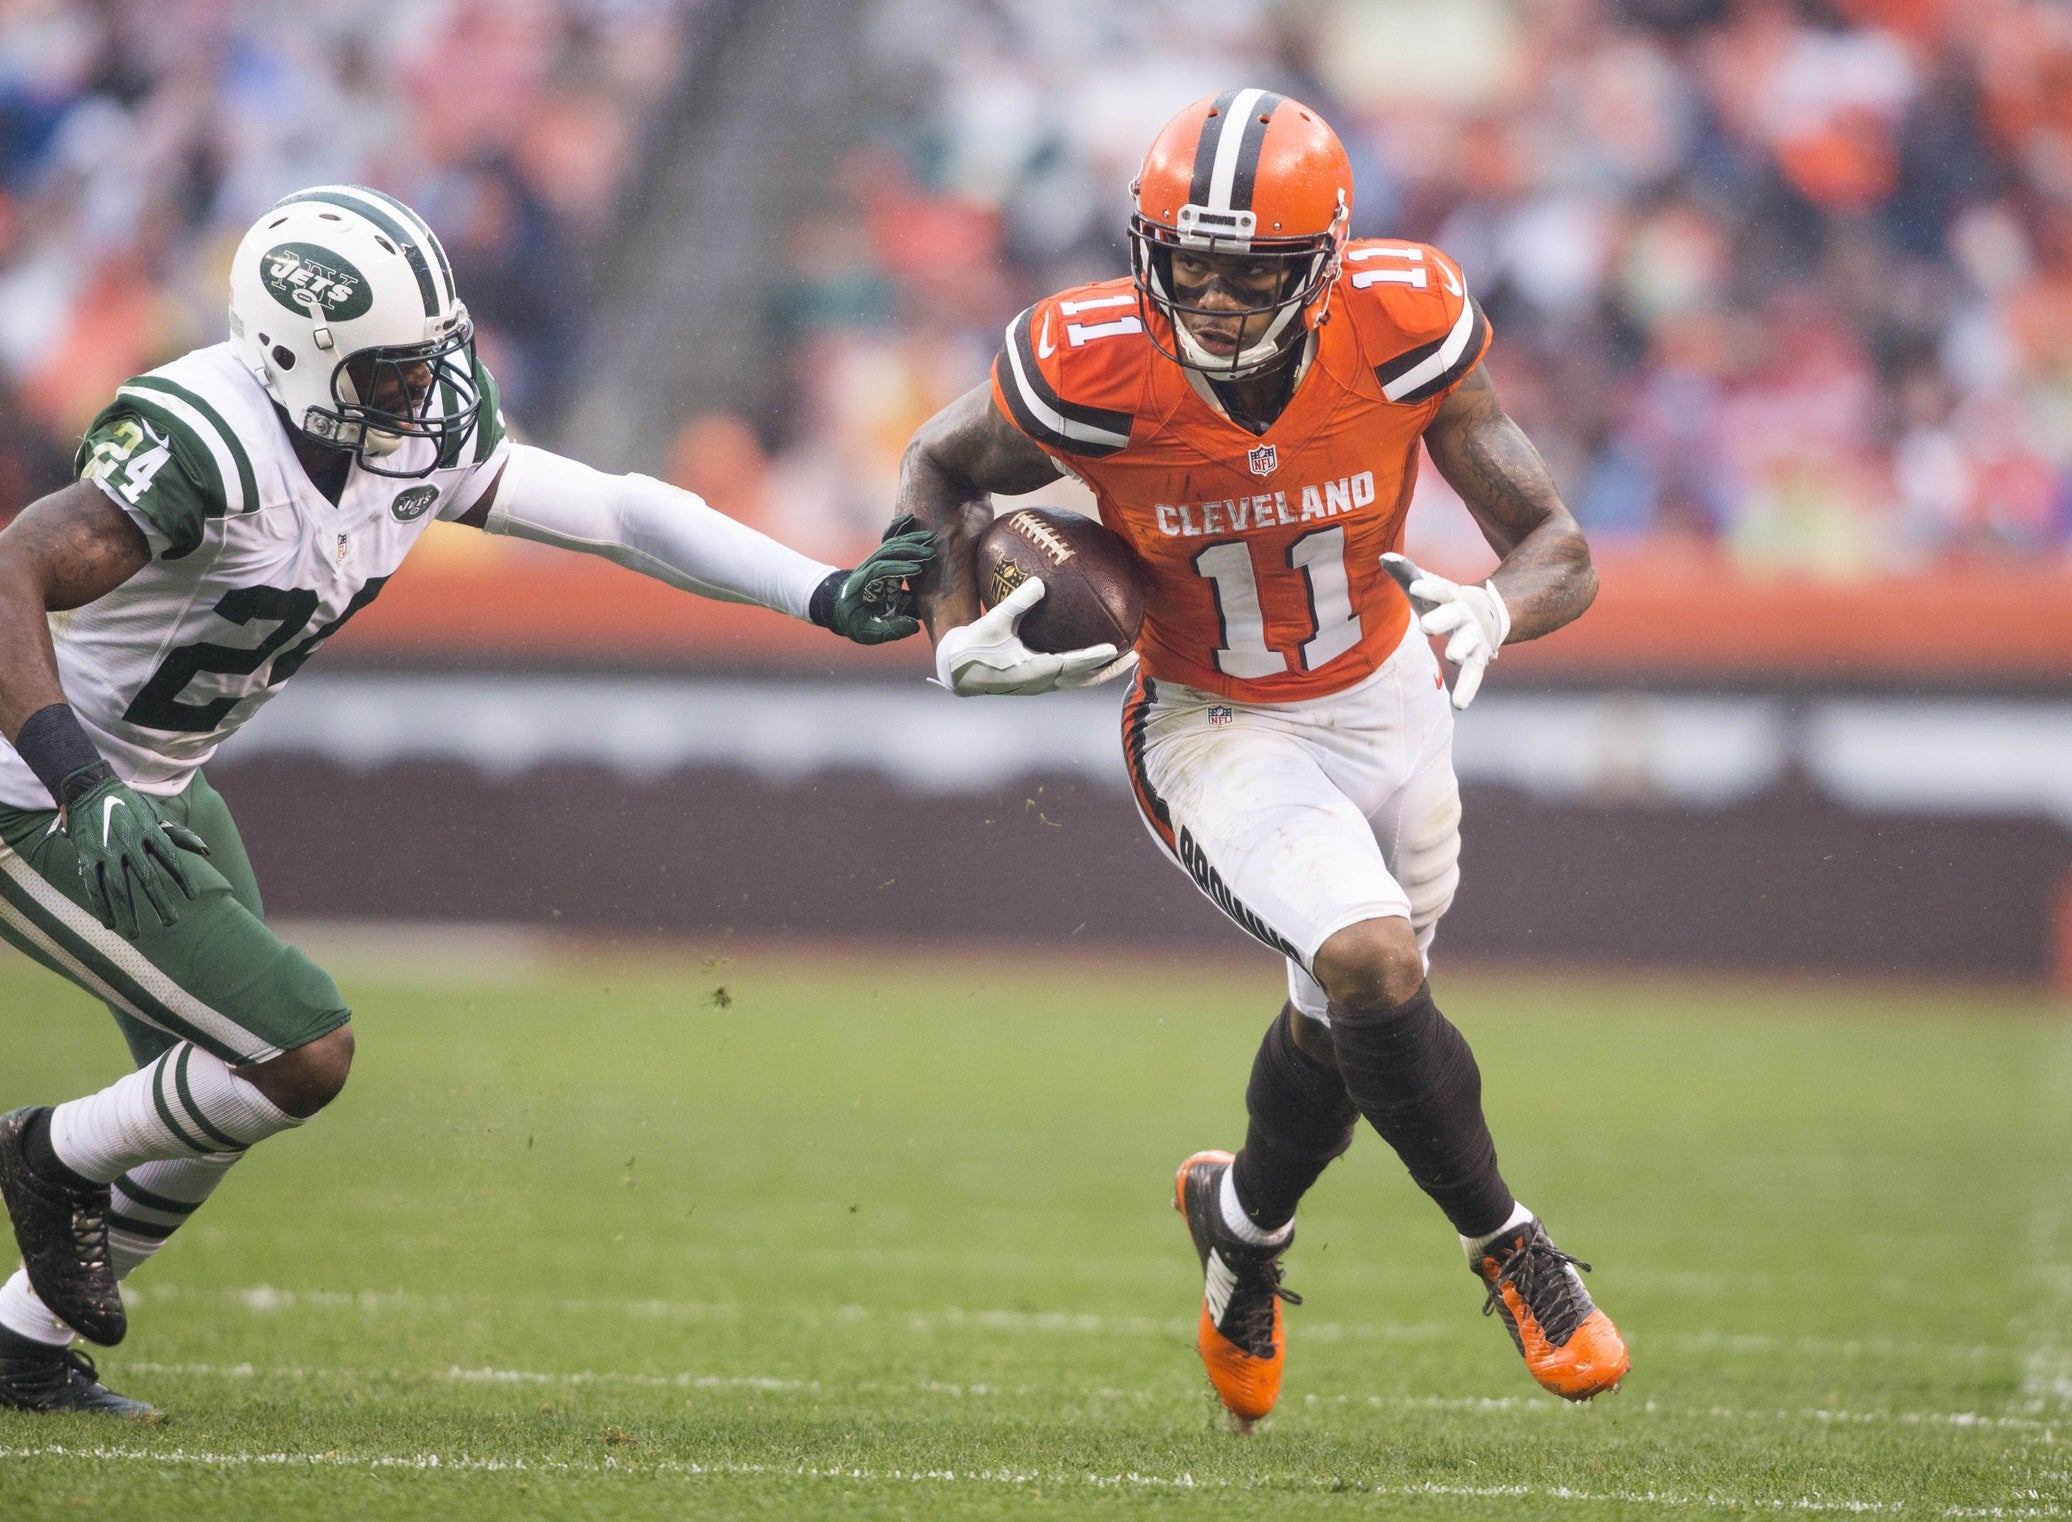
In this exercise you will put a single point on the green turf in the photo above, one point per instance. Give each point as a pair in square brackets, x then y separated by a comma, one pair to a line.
[894, 1241]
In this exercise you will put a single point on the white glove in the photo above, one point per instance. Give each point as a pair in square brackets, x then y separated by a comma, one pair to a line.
[987, 656]
[1474, 619]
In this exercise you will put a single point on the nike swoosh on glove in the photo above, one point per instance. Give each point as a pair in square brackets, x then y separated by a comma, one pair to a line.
[986, 657]
[1473, 619]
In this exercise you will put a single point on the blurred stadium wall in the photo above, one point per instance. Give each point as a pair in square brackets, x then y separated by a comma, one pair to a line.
[1782, 290]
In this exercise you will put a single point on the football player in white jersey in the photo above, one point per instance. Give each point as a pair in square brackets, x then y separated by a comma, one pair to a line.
[233, 510]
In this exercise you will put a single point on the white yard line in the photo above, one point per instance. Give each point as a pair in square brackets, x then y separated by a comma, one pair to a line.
[2042, 1430]
[266, 1299]
[1128, 1480]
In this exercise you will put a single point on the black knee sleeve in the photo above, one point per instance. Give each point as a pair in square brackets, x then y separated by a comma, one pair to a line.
[1300, 1118]
[1414, 1078]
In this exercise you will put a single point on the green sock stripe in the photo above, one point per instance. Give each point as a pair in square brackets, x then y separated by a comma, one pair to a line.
[229, 1142]
[143, 1196]
[150, 1231]
[165, 1111]
[137, 1002]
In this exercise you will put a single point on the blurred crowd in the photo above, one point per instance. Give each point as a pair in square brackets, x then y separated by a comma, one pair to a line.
[1789, 276]
[139, 138]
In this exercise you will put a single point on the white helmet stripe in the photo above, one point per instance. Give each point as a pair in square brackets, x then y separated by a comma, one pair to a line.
[1230, 141]
[351, 198]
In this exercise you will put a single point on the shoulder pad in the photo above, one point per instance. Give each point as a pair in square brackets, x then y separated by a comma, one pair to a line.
[1071, 370]
[1422, 332]
[170, 455]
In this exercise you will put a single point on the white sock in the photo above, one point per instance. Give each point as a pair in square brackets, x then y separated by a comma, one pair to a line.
[148, 1204]
[23, 1314]
[1473, 1245]
[1240, 1224]
[185, 1105]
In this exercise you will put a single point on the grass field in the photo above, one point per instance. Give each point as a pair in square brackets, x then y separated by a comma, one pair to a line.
[892, 1238]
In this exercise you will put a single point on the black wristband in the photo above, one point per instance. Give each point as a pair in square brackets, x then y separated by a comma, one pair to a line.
[820, 608]
[55, 745]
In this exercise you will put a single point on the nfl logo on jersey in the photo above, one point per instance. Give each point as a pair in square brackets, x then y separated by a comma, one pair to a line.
[1265, 460]
[1219, 716]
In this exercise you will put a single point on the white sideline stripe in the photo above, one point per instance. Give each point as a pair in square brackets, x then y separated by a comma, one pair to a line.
[1962, 1421]
[1127, 1480]
[1439, 363]
[265, 1299]
[133, 962]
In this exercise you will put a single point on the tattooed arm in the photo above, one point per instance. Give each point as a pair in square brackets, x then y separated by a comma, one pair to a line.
[1545, 579]
[63, 552]
[960, 456]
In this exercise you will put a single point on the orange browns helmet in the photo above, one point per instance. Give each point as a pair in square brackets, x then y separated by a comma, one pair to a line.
[1245, 172]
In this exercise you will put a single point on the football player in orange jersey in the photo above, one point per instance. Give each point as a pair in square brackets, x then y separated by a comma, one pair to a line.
[1247, 409]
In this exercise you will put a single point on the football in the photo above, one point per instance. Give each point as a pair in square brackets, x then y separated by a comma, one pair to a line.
[1093, 585]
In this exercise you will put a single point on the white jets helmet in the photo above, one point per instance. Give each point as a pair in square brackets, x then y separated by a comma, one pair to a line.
[342, 304]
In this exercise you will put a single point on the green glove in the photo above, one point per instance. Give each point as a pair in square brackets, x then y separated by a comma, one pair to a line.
[872, 604]
[122, 839]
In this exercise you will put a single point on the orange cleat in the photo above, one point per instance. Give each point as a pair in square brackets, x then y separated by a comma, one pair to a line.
[1569, 1345]
[1240, 1337]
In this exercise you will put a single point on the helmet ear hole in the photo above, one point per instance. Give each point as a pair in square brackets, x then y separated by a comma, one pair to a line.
[283, 356]
[378, 238]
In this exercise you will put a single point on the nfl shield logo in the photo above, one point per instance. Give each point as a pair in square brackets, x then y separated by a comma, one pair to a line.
[1265, 460]
[1219, 715]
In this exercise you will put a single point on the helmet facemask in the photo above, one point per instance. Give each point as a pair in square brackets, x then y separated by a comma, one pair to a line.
[1307, 266]
[381, 397]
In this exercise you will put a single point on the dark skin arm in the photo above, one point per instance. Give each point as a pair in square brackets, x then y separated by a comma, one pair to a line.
[64, 551]
[1546, 578]
[960, 456]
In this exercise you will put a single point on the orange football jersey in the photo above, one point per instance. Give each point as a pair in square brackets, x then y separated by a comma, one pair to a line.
[1264, 550]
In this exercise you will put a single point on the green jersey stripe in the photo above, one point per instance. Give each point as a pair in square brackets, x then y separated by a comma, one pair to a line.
[228, 1142]
[247, 483]
[116, 964]
[489, 420]
[165, 1109]
[356, 200]
[136, 1194]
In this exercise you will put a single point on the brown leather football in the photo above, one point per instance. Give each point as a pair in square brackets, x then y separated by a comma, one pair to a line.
[1093, 584]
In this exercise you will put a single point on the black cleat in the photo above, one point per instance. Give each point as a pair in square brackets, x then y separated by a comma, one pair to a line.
[1239, 1334]
[34, 1376]
[63, 1235]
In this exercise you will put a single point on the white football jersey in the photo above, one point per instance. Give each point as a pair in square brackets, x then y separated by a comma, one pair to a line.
[252, 567]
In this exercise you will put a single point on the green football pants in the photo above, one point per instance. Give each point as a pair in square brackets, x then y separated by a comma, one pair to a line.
[218, 978]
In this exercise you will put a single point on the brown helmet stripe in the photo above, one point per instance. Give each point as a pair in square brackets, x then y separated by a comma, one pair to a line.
[1256, 121]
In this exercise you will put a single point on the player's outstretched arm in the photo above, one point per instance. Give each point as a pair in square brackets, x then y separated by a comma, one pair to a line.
[662, 531]
[1545, 578]
[69, 549]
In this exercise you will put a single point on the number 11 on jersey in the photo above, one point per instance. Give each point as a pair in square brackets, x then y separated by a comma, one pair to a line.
[1334, 627]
